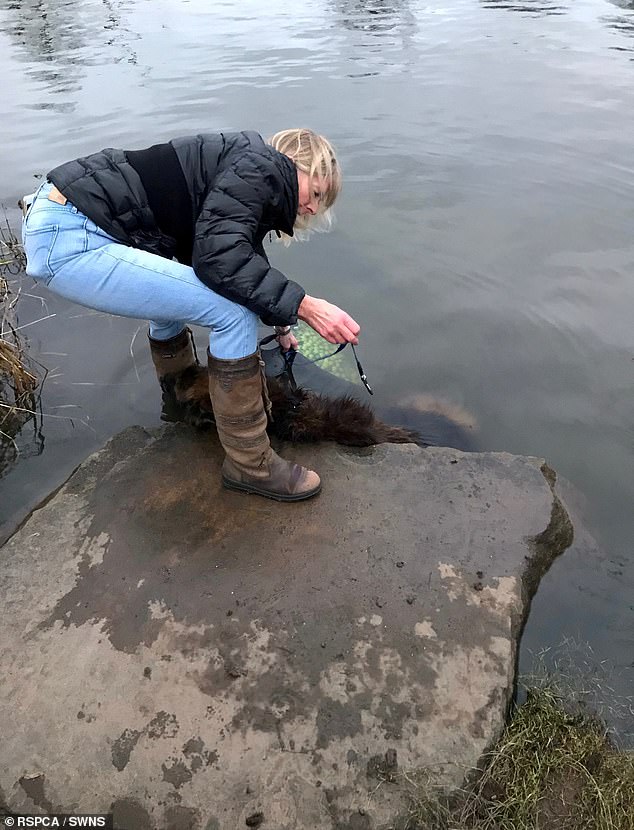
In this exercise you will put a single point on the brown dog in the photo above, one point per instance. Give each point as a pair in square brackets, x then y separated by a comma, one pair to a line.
[300, 416]
[303, 416]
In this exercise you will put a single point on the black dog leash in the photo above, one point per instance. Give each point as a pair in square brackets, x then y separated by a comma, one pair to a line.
[289, 359]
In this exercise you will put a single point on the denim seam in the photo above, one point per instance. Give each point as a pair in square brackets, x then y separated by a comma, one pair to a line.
[49, 267]
[145, 267]
[85, 228]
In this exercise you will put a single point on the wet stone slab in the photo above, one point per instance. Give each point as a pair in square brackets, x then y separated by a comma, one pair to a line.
[189, 657]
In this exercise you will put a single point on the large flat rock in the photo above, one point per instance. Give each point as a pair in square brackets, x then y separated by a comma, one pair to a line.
[189, 657]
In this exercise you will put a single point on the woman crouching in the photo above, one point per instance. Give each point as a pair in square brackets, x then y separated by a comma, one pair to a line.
[174, 234]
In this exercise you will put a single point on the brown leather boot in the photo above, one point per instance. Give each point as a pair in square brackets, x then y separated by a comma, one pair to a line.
[181, 378]
[236, 388]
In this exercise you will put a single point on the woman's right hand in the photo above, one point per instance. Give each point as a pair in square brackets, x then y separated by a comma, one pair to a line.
[329, 321]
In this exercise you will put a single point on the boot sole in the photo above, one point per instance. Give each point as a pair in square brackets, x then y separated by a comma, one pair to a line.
[250, 488]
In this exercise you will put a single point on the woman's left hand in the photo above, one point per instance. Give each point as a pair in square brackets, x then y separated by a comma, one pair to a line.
[288, 342]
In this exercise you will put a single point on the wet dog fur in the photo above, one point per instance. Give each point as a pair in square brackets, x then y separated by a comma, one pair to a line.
[299, 415]
[303, 416]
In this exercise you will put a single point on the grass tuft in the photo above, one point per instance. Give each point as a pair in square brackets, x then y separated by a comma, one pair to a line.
[554, 768]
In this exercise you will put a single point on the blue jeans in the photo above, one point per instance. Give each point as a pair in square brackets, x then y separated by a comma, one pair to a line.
[79, 261]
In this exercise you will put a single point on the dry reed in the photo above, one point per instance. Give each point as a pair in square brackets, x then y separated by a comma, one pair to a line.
[18, 376]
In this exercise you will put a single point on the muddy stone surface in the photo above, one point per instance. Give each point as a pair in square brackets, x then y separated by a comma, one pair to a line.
[190, 657]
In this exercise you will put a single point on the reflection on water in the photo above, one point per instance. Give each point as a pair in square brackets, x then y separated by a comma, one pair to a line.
[381, 34]
[536, 8]
[624, 26]
[621, 24]
[59, 39]
[372, 16]
[23, 434]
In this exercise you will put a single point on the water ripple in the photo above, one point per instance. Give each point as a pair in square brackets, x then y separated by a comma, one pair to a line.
[534, 8]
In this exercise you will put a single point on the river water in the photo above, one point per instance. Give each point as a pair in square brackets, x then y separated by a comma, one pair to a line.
[485, 235]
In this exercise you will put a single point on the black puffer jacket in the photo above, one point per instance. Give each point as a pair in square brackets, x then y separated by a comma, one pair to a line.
[240, 189]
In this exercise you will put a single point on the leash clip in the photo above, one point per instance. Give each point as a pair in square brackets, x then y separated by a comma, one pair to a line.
[362, 374]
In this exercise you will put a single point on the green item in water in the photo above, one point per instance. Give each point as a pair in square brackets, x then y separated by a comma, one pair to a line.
[312, 346]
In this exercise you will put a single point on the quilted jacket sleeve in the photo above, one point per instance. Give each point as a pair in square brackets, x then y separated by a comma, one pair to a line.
[227, 236]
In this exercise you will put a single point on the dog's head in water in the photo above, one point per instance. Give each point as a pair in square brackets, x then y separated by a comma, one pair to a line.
[439, 422]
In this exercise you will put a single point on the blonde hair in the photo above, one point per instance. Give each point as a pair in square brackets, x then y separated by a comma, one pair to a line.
[314, 155]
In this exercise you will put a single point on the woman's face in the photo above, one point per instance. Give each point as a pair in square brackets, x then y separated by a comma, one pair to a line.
[310, 193]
